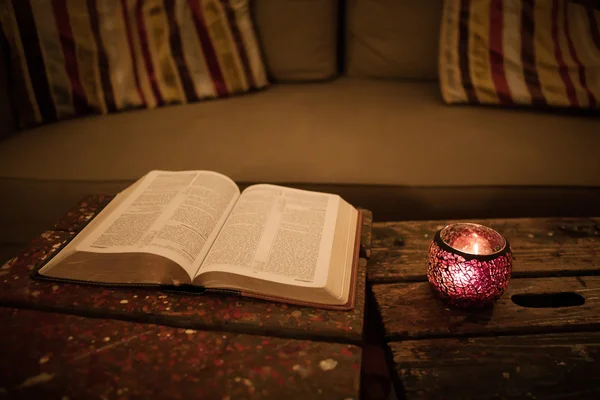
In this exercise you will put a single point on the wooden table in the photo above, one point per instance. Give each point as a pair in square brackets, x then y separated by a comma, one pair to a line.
[547, 347]
[49, 355]
[83, 341]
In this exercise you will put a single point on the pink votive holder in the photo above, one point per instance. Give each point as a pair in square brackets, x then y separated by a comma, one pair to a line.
[469, 265]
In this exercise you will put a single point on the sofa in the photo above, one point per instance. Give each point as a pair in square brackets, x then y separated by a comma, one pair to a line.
[353, 108]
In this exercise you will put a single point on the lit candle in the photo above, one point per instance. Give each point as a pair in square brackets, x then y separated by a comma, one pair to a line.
[472, 243]
[469, 265]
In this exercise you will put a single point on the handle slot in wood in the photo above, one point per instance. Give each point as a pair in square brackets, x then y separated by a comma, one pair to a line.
[548, 300]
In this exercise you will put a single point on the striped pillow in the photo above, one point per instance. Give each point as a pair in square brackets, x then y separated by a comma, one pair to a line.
[71, 58]
[520, 52]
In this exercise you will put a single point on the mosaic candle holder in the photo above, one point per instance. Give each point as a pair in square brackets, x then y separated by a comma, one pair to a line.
[469, 265]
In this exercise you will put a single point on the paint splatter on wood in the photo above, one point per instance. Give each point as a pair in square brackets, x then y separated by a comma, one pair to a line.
[153, 361]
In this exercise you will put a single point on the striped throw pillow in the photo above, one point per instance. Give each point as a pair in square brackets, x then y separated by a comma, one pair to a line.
[520, 52]
[71, 58]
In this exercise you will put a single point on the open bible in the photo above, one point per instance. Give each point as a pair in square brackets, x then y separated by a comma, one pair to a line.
[195, 231]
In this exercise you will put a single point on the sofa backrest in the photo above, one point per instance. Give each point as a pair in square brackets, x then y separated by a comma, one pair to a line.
[7, 123]
[394, 39]
[298, 38]
[304, 40]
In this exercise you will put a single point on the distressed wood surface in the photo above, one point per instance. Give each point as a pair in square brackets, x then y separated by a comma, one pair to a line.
[529, 345]
[206, 312]
[541, 247]
[411, 310]
[54, 356]
[366, 234]
[551, 366]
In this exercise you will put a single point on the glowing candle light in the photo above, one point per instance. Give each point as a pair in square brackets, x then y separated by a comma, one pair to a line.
[475, 248]
[469, 265]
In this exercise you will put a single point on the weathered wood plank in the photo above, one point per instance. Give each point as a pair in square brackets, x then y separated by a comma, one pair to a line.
[541, 246]
[206, 312]
[411, 310]
[47, 355]
[366, 234]
[557, 366]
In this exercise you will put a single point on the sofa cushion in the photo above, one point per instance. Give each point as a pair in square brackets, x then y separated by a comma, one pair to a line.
[77, 58]
[346, 132]
[392, 38]
[520, 52]
[298, 38]
[289, 133]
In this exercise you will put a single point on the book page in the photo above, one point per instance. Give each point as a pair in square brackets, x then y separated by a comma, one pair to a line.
[277, 234]
[173, 214]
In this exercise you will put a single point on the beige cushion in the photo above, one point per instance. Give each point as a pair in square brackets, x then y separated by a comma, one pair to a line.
[392, 38]
[394, 135]
[298, 38]
[289, 133]
[7, 124]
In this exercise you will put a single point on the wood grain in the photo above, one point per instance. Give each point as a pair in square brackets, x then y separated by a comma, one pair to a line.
[410, 310]
[557, 366]
[54, 356]
[541, 247]
[366, 234]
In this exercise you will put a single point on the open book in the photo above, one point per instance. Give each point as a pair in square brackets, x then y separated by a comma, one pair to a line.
[194, 229]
